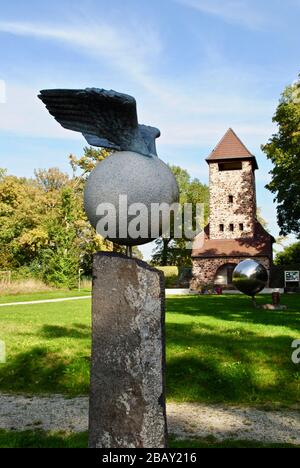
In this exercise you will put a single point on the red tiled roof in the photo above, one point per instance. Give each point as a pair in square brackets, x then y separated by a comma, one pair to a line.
[260, 245]
[230, 147]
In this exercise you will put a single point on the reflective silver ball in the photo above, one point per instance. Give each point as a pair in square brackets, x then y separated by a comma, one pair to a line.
[144, 180]
[250, 277]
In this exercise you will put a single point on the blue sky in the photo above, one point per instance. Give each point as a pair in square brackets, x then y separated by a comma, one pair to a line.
[196, 67]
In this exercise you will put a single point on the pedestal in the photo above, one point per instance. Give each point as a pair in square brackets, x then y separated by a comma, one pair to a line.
[127, 396]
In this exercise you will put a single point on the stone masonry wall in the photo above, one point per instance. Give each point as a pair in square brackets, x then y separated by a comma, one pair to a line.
[241, 185]
[205, 269]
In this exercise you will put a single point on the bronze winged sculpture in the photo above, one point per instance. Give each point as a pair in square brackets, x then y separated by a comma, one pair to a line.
[108, 119]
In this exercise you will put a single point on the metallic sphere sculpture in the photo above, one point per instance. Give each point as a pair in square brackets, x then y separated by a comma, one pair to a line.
[250, 277]
[109, 119]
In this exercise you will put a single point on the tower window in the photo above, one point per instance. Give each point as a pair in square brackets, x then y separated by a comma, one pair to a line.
[241, 227]
[231, 227]
[230, 198]
[231, 166]
[221, 227]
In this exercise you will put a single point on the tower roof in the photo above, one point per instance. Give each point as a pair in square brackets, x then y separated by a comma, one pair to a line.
[230, 147]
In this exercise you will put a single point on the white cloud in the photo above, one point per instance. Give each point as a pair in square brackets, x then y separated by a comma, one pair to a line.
[195, 111]
[132, 51]
[24, 114]
[2, 92]
[239, 12]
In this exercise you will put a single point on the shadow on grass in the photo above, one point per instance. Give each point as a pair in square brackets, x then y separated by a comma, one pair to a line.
[212, 442]
[78, 331]
[40, 439]
[237, 367]
[42, 371]
[238, 309]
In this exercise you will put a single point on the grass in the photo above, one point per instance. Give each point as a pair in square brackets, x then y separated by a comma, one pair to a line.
[39, 439]
[43, 296]
[219, 350]
[23, 287]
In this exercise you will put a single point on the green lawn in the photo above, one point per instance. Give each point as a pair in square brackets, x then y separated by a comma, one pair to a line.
[219, 350]
[39, 439]
[43, 296]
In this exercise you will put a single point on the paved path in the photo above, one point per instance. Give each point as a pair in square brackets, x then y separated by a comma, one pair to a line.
[169, 292]
[48, 301]
[185, 420]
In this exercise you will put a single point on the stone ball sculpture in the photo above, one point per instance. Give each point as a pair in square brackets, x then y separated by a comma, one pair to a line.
[108, 119]
[250, 277]
[145, 181]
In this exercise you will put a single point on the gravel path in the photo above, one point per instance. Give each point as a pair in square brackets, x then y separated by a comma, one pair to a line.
[185, 420]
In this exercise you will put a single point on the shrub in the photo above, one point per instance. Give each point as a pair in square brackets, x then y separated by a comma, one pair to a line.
[25, 286]
[171, 275]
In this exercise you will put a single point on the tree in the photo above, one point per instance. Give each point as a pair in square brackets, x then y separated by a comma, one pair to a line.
[283, 149]
[261, 219]
[44, 231]
[289, 256]
[86, 164]
[91, 157]
[3, 173]
[170, 251]
[51, 180]
[43, 227]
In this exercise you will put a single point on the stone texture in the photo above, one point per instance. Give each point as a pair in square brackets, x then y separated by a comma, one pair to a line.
[143, 180]
[273, 307]
[241, 186]
[232, 202]
[127, 398]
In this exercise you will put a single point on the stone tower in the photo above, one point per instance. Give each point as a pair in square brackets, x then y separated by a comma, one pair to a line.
[233, 233]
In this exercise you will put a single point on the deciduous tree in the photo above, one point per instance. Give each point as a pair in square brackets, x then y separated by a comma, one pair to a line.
[283, 149]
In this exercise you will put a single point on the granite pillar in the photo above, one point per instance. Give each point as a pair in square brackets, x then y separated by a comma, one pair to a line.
[127, 396]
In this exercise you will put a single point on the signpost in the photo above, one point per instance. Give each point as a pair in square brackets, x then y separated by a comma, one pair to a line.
[292, 277]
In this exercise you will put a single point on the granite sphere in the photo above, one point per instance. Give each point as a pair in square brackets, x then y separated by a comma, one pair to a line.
[143, 180]
[250, 277]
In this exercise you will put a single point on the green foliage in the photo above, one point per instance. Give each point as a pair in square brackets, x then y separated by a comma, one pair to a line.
[43, 228]
[170, 251]
[283, 149]
[171, 275]
[289, 256]
[89, 160]
[44, 232]
[2, 173]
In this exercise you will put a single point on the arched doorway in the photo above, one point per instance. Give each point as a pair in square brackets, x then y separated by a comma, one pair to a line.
[224, 275]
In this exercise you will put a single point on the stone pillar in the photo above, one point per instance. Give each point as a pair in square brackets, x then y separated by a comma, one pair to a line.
[127, 396]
